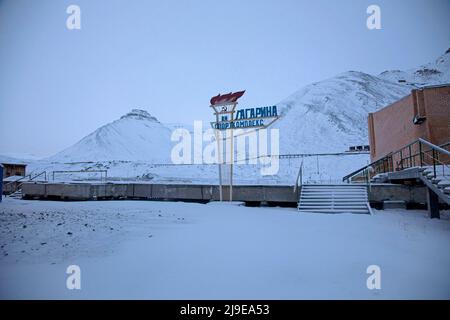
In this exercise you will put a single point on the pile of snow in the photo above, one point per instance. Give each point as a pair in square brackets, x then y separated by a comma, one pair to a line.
[135, 136]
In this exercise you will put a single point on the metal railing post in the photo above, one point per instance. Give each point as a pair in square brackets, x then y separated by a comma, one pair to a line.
[410, 160]
[420, 154]
[434, 162]
[299, 177]
[401, 159]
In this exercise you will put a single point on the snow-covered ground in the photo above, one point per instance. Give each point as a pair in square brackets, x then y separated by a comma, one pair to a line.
[157, 250]
[329, 169]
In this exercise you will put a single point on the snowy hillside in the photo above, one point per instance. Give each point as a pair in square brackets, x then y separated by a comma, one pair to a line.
[436, 72]
[331, 115]
[9, 159]
[135, 136]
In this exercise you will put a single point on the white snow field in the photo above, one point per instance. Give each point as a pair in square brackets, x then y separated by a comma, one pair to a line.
[329, 169]
[168, 250]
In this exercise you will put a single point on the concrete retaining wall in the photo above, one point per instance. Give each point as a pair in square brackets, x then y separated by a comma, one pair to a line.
[92, 191]
[268, 193]
[397, 192]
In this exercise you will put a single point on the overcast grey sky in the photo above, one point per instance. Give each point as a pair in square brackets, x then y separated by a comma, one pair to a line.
[169, 57]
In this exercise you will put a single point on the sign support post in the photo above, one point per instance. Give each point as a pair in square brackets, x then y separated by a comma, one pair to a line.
[219, 159]
[224, 107]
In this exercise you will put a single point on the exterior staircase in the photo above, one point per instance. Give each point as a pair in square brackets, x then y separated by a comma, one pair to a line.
[16, 194]
[438, 180]
[419, 160]
[338, 198]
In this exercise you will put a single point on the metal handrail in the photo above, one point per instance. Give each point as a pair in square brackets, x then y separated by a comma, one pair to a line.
[411, 157]
[18, 187]
[299, 176]
[347, 177]
[30, 178]
[437, 148]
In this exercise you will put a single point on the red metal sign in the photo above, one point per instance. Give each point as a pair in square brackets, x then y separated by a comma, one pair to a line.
[226, 98]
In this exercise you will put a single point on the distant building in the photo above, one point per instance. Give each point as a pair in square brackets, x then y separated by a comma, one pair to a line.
[12, 174]
[13, 169]
[425, 113]
[359, 148]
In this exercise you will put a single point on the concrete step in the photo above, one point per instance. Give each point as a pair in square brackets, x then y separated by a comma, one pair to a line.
[332, 202]
[343, 186]
[340, 187]
[336, 204]
[16, 195]
[335, 189]
[347, 197]
[436, 180]
[328, 200]
[334, 210]
[438, 174]
[348, 209]
[333, 198]
[443, 183]
[335, 193]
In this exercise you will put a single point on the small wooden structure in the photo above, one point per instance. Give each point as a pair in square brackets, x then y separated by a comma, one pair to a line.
[12, 173]
[13, 169]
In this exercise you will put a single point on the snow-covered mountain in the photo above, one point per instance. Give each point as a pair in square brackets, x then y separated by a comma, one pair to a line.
[436, 72]
[135, 136]
[331, 115]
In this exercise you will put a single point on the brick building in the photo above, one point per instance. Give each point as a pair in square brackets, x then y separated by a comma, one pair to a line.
[425, 113]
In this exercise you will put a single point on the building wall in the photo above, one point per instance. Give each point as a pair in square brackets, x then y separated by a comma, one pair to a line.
[392, 127]
[437, 110]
